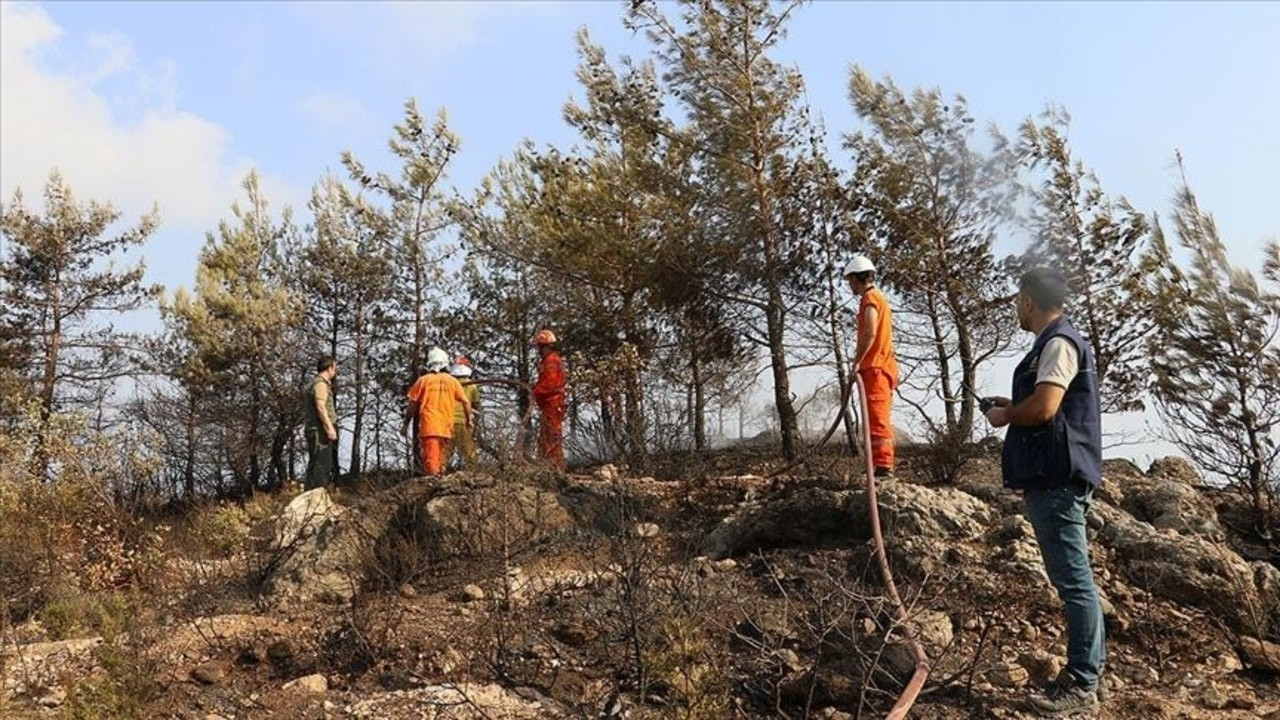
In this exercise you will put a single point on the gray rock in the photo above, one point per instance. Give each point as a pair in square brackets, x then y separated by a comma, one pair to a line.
[934, 630]
[1261, 654]
[302, 517]
[808, 517]
[471, 593]
[1187, 569]
[210, 673]
[315, 684]
[1007, 675]
[460, 515]
[1041, 666]
[816, 516]
[1170, 503]
[1175, 468]
[1267, 579]
[941, 513]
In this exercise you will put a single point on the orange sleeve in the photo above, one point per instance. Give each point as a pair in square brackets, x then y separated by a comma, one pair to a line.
[415, 391]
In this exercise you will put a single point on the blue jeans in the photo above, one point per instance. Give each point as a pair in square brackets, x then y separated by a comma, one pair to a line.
[1058, 516]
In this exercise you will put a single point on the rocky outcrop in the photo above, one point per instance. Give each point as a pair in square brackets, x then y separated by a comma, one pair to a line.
[1169, 502]
[1187, 569]
[811, 517]
[817, 517]
[1162, 533]
[36, 668]
[333, 551]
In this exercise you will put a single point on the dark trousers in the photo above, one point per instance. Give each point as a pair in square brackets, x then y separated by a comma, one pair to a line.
[319, 459]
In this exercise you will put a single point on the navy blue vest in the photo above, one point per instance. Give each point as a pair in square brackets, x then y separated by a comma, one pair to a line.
[1067, 449]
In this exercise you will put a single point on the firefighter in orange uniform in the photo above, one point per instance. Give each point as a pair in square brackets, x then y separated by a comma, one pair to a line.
[548, 393]
[434, 398]
[875, 360]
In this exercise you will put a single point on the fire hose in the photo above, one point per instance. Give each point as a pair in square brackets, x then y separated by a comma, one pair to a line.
[921, 673]
[912, 690]
[916, 683]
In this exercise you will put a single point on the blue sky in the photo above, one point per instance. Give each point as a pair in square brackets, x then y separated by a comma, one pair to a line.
[173, 102]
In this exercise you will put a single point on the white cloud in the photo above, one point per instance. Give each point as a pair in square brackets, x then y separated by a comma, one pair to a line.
[110, 123]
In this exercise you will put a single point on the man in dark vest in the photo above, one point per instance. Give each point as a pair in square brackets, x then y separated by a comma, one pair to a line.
[1053, 454]
[320, 413]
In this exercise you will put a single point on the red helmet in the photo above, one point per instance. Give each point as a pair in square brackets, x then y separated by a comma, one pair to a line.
[544, 337]
[462, 360]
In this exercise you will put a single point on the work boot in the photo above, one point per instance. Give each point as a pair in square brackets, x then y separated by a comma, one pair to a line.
[885, 474]
[1063, 700]
[1066, 678]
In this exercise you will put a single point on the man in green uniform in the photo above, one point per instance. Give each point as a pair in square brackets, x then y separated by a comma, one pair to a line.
[320, 413]
[463, 451]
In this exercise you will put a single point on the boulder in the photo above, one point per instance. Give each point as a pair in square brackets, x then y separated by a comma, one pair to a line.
[210, 673]
[1267, 579]
[1008, 675]
[302, 517]
[450, 702]
[1177, 469]
[1186, 569]
[933, 512]
[404, 526]
[1168, 502]
[314, 684]
[1262, 655]
[42, 664]
[1041, 666]
[934, 629]
[822, 517]
[810, 517]
[484, 521]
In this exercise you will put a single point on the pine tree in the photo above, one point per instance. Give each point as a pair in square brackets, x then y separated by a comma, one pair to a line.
[745, 120]
[418, 212]
[60, 289]
[243, 323]
[1095, 240]
[587, 225]
[930, 203]
[1216, 357]
[342, 268]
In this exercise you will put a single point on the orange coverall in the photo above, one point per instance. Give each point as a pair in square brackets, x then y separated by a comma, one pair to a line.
[548, 393]
[436, 395]
[879, 373]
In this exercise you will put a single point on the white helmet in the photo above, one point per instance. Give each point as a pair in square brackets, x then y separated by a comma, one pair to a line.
[437, 359]
[460, 371]
[859, 263]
